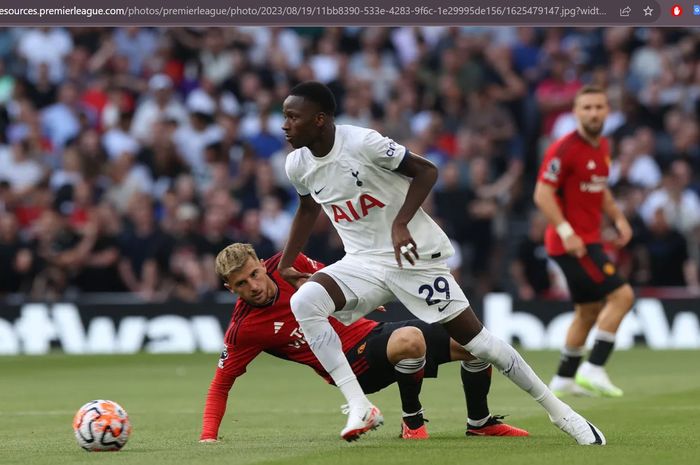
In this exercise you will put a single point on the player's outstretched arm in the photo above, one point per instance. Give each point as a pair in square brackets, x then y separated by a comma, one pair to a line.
[303, 223]
[545, 200]
[424, 175]
[232, 364]
[215, 406]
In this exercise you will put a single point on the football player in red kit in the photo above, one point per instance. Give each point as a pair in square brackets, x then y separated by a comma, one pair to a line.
[572, 192]
[379, 353]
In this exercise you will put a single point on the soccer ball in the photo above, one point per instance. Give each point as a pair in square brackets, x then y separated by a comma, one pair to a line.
[101, 425]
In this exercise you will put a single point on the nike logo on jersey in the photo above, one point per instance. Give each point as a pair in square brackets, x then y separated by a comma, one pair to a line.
[510, 368]
[278, 326]
[443, 307]
[590, 165]
[319, 191]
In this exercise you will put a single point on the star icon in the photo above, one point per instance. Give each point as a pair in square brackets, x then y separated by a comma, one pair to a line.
[648, 11]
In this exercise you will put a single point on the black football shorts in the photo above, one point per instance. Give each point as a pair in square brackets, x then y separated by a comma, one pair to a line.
[370, 363]
[590, 278]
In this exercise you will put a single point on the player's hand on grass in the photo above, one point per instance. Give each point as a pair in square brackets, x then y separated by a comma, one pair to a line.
[574, 246]
[624, 230]
[404, 245]
[294, 277]
[209, 440]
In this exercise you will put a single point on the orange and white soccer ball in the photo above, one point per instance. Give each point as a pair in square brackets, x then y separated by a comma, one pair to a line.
[101, 425]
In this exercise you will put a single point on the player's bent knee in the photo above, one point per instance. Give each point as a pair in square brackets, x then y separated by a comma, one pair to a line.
[311, 300]
[624, 296]
[407, 342]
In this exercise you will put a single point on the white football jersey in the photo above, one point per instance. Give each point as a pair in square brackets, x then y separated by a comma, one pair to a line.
[361, 194]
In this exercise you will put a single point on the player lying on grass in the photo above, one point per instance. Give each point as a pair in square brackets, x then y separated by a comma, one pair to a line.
[379, 353]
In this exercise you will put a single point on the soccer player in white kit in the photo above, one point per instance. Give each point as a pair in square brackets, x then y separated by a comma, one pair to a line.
[372, 188]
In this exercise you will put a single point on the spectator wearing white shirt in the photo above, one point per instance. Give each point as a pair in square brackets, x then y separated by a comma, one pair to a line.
[274, 221]
[379, 71]
[138, 44]
[61, 121]
[646, 62]
[262, 119]
[217, 60]
[117, 140]
[191, 139]
[71, 171]
[128, 178]
[326, 61]
[634, 164]
[680, 205]
[45, 45]
[162, 105]
[265, 41]
[19, 167]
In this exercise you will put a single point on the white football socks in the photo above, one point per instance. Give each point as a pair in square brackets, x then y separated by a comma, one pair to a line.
[508, 361]
[408, 366]
[312, 306]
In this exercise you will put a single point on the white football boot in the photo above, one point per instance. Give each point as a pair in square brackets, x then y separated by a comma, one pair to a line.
[594, 378]
[562, 387]
[584, 432]
[360, 420]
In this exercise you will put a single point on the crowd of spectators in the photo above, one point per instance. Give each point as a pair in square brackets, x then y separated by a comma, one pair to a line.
[130, 156]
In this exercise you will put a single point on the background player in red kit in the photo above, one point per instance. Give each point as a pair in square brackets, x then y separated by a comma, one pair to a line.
[573, 194]
[380, 353]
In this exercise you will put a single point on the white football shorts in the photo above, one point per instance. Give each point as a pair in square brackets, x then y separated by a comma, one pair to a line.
[428, 289]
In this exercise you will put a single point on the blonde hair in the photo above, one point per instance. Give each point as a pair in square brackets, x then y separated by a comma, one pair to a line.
[232, 258]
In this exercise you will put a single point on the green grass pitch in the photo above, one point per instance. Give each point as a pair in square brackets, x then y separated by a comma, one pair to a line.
[282, 413]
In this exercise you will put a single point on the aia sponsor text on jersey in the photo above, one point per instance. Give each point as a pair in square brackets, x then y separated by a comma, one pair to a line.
[349, 212]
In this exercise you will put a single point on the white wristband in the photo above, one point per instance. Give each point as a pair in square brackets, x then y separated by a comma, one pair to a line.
[565, 230]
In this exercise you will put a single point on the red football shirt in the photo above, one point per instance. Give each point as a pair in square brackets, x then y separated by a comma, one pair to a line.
[272, 329]
[579, 172]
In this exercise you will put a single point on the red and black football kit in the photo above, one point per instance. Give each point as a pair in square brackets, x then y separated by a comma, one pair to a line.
[274, 330]
[578, 171]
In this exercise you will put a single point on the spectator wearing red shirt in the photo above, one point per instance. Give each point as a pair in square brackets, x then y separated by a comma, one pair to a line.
[556, 93]
[573, 193]
[379, 353]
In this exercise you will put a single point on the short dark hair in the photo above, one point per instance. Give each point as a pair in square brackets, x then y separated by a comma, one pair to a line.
[318, 93]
